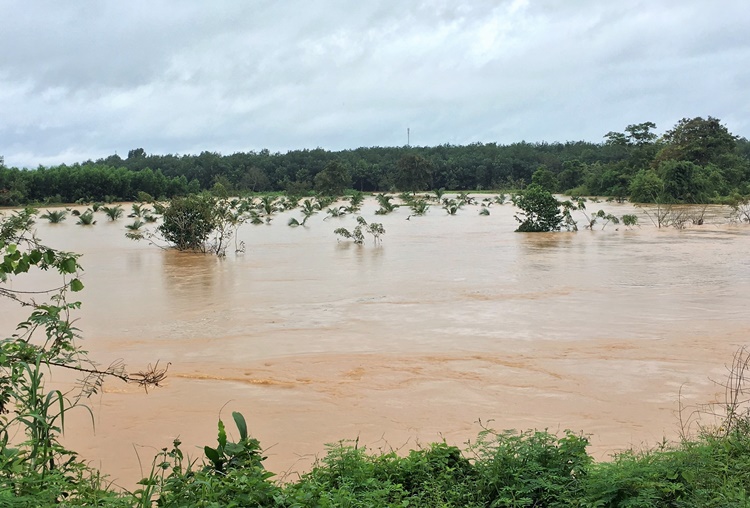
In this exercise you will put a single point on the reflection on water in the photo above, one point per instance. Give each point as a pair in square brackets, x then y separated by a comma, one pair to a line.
[450, 320]
[190, 280]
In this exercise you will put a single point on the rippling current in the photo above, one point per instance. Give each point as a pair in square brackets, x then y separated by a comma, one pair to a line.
[452, 320]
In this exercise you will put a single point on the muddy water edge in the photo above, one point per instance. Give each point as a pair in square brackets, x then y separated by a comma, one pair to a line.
[452, 320]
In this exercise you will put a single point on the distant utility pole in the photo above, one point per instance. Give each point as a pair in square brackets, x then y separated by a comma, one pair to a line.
[408, 137]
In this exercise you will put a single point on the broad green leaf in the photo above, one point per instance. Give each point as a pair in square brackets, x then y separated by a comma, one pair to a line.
[76, 285]
[49, 256]
[22, 266]
[68, 265]
[212, 455]
[35, 256]
[233, 449]
[239, 420]
[222, 435]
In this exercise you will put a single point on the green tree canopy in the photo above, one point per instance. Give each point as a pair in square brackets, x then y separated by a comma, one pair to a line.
[540, 211]
[684, 182]
[414, 172]
[334, 179]
[189, 221]
[545, 179]
[646, 187]
[698, 141]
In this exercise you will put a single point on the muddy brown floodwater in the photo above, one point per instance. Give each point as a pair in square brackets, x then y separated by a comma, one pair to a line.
[452, 320]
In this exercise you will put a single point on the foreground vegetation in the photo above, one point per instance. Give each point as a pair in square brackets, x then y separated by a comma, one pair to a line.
[507, 469]
[532, 468]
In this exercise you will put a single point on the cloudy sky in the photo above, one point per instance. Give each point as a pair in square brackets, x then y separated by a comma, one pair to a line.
[84, 79]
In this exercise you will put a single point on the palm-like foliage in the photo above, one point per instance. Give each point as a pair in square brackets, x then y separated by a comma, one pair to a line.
[113, 212]
[419, 206]
[134, 230]
[355, 202]
[465, 199]
[324, 201]
[139, 210]
[309, 208]
[337, 211]
[255, 218]
[54, 216]
[136, 225]
[268, 206]
[86, 218]
[386, 206]
[452, 206]
[288, 203]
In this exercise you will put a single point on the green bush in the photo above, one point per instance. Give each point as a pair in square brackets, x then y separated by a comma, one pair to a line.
[531, 468]
[189, 221]
[540, 211]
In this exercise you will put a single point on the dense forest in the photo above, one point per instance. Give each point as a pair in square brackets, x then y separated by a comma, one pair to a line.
[698, 160]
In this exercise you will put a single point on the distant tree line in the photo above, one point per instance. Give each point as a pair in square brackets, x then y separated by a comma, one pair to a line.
[698, 160]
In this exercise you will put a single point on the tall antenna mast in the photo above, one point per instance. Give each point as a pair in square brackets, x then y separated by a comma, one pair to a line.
[408, 137]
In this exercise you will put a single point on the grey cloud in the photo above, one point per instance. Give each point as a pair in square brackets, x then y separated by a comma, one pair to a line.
[175, 77]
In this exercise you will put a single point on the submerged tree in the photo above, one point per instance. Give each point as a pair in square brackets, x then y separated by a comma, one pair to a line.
[386, 206]
[86, 218]
[375, 229]
[189, 222]
[268, 206]
[452, 206]
[540, 211]
[54, 216]
[198, 223]
[113, 212]
[418, 205]
[309, 208]
[630, 220]
[355, 202]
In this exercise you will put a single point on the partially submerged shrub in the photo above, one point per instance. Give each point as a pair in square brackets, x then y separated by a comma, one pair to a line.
[189, 221]
[375, 229]
[86, 218]
[54, 216]
[452, 206]
[113, 212]
[540, 211]
[386, 206]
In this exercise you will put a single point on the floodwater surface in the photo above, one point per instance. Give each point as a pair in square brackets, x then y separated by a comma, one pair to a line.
[451, 321]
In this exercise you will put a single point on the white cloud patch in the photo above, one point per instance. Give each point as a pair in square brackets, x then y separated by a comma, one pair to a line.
[87, 79]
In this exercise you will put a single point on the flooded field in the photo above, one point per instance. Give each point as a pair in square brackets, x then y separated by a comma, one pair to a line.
[452, 320]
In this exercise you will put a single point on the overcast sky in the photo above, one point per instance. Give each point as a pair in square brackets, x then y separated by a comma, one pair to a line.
[85, 79]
